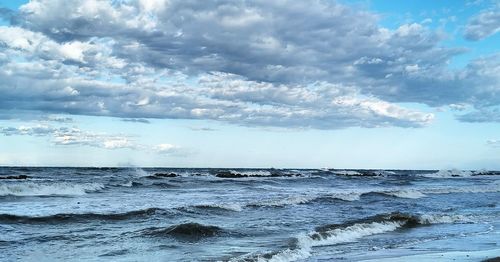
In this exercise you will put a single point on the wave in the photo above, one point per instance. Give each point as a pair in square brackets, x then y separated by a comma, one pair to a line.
[75, 217]
[350, 196]
[255, 174]
[280, 202]
[355, 195]
[128, 184]
[455, 173]
[139, 172]
[18, 177]
[227, 207]
[304, 199]
[468, 189]
[362, 173]
[405, 193]
[351, 231]
[444, 219]
[186, 231]
[38, 189]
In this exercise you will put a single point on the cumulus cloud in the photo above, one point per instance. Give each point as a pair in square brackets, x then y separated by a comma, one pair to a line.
[483, 25]
[247, 63]
[71, 136]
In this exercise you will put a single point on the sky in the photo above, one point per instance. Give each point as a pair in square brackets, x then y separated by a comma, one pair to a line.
[286, 84]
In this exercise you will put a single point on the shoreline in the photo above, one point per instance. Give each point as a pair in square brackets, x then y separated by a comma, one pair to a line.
[491, 255]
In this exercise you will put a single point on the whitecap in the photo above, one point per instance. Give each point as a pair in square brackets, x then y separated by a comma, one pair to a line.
[42, 189]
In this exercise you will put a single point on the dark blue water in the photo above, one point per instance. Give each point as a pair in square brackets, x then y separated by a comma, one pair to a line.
[132, 214]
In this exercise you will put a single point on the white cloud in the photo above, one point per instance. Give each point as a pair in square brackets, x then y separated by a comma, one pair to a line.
[483, 25]
[493, 142]
[165, 148]
[65, 136]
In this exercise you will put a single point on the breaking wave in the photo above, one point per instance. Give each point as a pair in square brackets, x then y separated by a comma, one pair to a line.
[455, 173]
[228, 207]
[303, 199]
[350, 231]
[405, 193]
[54, 189]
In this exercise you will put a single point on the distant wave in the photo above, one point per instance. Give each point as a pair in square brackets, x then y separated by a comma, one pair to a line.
[139, 172]
[350, 231]
[303, 199]
[258, 174]
[74, 217]
[186, 231]
[43, 189]
[348, 195]
[464, 189]
[362, 173]
[454, 173]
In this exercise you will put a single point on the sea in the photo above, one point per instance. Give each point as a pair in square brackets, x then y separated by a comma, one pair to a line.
[180, 214]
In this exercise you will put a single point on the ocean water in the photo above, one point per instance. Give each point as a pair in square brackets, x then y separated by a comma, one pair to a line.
[133, 214]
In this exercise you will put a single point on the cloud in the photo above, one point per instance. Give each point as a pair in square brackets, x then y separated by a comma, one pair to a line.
[66, 136]
[165, 148]
[136, 120]
[493, 142]
[71, 136]
[56, 118]
[251, 64]
[483, 25]
[482, 115]
[208, 129]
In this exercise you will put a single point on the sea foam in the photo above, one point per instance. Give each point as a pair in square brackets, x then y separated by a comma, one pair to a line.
[42, 189]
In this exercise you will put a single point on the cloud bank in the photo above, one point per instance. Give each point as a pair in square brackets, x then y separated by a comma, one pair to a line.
[313, 64]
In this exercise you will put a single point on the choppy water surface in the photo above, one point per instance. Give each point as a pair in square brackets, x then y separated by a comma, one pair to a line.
[132, 214]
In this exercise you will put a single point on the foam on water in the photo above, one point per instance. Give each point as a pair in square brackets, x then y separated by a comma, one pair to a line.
[139, 172]
[347, 173]
[444, 219]
[466, 189]
[306, 198]
[253, 173]
[405, 193]
[42, 189]
[230, 207]
[306, 242]
[280, 202]
[449, 173]
[128, 184]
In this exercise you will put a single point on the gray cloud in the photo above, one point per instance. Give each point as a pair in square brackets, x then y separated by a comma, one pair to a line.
[483, 25]
[136, 120]
[255, 63]
[207, 129]
[482, 115]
